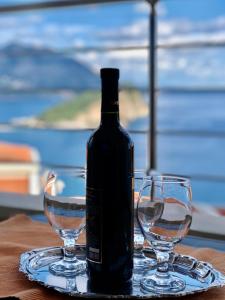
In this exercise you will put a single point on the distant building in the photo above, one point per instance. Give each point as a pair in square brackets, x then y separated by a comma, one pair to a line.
[19, 169]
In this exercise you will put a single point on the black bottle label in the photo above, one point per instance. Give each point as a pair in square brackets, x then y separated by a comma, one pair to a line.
[94, 224]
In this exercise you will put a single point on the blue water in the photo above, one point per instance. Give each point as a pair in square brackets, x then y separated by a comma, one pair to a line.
[176, 154]
[25, 105]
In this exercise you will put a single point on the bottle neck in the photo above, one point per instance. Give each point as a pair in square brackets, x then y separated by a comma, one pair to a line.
[110, 102]
[110, 118]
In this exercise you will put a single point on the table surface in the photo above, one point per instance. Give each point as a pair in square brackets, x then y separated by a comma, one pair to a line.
[20, 234]
[203, 242]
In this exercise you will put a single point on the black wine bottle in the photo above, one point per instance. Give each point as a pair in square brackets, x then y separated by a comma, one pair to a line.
[110, 170]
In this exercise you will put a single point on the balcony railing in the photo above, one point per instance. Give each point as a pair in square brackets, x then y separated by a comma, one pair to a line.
[153, 132]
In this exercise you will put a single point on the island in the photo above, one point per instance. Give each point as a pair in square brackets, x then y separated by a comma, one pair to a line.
[83, 111]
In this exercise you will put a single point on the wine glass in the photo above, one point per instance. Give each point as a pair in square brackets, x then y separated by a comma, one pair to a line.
[165, 215]
[140, 260]
[64, 206]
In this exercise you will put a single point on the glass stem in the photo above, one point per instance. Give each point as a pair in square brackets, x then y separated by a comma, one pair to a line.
[69, 250]
[71, 285]
[162, 264]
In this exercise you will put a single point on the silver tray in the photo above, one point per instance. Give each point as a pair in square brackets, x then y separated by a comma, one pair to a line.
[199, 276]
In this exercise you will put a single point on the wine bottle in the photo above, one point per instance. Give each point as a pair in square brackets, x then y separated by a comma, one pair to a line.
[109, 197]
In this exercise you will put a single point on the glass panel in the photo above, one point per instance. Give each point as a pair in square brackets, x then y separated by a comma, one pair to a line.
[67, 147]
[24, 149]
[192, 111]
[184, 73]
[196, 156]
[50, 64]
[50, 61]
[191, 155]
[189, 69]
[209, 192]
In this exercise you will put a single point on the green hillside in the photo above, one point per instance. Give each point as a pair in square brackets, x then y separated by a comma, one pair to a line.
[83, 110]
[70, 109]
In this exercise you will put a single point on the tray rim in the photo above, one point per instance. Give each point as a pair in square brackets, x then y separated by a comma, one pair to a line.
[218, 283]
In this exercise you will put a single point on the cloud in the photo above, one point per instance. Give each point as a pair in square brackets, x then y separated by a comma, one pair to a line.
[93, 57]
[192, 67]
[135, 29]
[202, 65]
[169, 31]
[133, 64]
[175, 66]
[161, 9]
[144, 8]
[176, 30]
[15, 22]
[185, 31]
[33, 29]
[78, 43]
[137, 55]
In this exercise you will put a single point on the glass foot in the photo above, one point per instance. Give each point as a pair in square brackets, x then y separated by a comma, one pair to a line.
[141, 261]
[141, 264]
[163, 283]
[67, 269]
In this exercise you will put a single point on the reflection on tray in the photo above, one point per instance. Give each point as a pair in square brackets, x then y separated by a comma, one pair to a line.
[199, 276]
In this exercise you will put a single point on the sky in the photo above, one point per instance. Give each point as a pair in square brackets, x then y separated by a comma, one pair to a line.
[126, 24]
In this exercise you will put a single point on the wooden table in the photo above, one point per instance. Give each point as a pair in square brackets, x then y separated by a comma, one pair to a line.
[21, 233]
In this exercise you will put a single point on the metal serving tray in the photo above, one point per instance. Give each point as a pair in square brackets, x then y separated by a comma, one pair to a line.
[199, 276]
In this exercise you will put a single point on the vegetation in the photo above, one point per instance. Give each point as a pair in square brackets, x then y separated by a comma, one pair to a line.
[83, 110]
[68, 110]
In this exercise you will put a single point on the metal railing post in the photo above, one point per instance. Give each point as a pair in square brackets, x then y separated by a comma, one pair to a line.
[152, 163]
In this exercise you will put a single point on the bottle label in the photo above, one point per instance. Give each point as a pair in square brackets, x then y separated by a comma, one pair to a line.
[94, 225]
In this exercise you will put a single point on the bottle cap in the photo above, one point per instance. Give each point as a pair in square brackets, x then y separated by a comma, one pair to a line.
[110, 73]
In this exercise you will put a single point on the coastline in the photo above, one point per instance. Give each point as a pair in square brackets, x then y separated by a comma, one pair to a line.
[86, 114]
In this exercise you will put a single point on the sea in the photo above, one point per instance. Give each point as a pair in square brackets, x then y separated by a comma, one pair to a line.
[199, 152]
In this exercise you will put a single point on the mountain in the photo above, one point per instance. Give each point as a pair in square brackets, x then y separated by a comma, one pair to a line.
[28, 67]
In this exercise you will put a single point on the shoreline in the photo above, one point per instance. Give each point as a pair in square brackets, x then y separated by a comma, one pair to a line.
[84, 111]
